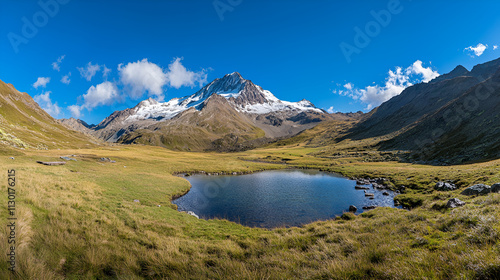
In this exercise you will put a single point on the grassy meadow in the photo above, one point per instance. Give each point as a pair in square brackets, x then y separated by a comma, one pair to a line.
[80, 221]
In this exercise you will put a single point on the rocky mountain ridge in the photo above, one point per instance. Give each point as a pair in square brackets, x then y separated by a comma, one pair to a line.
[452, 119]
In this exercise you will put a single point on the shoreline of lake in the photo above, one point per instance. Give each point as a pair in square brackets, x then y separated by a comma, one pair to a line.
[252, 217]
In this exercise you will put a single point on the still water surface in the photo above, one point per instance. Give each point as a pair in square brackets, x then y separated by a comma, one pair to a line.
[276, 198]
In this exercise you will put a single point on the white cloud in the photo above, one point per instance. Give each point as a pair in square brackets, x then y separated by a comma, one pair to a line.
[89, 70]
[41, 82]
[103, 94]
[395, 83]
[46, 103]
[105, 71]
[427, 73]
[75, 110]
[142, 76]
[179, 76]
[65, 79]
[56, 65]
[138, 78]
[330, 110]
[478, 50]
[495, 47]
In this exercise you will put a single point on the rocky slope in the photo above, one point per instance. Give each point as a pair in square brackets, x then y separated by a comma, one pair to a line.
[465, 129]
[452, 119]
[216, 126]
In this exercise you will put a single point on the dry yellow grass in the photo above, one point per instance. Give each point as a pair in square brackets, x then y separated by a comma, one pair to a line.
[79, 221]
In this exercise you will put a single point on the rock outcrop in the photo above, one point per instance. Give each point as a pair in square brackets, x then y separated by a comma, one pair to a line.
[479, 189]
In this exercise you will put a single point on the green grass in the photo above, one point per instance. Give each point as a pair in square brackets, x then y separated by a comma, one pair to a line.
[79, 221]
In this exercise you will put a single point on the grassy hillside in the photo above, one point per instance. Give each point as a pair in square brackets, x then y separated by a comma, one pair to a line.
[23, 124]
[80, 221]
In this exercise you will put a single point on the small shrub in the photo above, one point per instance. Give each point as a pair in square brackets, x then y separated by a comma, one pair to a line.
[348, 216]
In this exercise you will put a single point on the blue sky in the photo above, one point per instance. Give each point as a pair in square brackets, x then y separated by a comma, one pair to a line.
[295, 49]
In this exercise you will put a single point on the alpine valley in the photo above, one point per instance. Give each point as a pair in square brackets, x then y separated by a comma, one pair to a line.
[228, 114]
[100, 207]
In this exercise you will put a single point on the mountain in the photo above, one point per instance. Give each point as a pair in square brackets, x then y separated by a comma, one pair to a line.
[227, 108]
[24, 125]
[465, 129]
[411, 105]
[78, 125]
[216, 126]
[452, 119]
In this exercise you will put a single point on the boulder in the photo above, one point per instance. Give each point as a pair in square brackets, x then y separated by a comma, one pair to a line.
[369, 207]
[444, 186]
[385, 193]
[105, 159]
[361, 181]
[402, 189]
[357, 187]
[381, 181]
[353, 208]
[68, 158]
[454, 202]
[193, 214]
[495, 188]
[477, 190]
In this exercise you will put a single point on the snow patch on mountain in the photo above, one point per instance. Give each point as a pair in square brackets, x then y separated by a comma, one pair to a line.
[231, 86]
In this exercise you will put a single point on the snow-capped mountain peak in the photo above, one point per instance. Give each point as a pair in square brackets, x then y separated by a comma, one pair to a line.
[242, 94]
[146, 103]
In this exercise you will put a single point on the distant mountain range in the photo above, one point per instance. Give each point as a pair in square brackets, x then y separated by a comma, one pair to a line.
[230, 113]
[452, 119]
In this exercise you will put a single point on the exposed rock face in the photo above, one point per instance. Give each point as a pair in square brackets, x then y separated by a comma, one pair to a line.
[77, 125]
[479, 189]
[272, 120]
[444, 186]
[454, 202]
